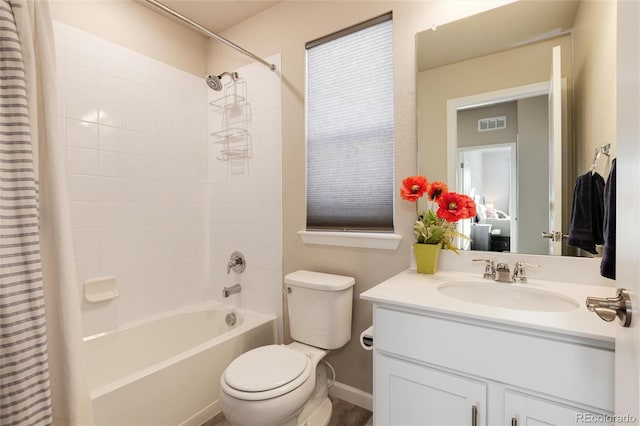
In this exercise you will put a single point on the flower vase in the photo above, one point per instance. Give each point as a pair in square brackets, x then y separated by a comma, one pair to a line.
[427, 256]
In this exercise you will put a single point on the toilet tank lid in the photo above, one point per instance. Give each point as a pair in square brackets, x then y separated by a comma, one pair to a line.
[319, 280]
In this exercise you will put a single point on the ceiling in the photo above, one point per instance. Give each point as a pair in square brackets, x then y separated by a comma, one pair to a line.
[217, 15]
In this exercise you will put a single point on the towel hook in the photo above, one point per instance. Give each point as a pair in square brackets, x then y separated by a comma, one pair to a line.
[604, 149]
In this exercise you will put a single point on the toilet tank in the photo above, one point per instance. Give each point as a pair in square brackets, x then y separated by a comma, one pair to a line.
[319, 308]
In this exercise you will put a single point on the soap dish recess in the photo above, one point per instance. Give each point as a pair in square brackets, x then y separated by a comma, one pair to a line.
[101, 289]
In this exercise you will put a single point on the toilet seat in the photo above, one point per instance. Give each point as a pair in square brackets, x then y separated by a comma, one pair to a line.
[266, 372]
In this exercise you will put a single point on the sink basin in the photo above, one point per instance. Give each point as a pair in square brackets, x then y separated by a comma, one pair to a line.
[508, 296]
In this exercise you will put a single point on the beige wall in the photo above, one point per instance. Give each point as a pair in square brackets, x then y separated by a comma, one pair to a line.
[138, 28]
[595, 81]
[284, 29]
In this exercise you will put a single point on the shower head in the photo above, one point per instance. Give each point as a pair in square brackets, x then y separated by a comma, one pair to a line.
[215, 81]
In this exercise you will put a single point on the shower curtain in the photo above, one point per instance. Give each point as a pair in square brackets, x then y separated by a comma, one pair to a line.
[40, 337]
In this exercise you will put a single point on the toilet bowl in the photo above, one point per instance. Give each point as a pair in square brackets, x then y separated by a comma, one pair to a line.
[272, 385]
[287, 385]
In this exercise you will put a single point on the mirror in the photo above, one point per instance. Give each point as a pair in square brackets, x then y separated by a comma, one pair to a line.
[489, 111]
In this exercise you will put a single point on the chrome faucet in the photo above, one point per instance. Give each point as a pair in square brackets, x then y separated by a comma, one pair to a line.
[518, 271]
[489, 270]
[503, 274]
[236, 262]
[497, 272]
[227, 291]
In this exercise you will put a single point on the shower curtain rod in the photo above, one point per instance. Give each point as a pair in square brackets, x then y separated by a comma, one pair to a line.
[202, 29]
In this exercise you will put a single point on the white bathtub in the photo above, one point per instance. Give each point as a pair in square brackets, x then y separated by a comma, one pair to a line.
[166, 371]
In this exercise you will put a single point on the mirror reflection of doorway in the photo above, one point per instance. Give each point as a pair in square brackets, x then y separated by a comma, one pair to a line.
[488, 174]
[504, 167]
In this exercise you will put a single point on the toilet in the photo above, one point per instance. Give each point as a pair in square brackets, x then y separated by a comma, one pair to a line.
[286, 384]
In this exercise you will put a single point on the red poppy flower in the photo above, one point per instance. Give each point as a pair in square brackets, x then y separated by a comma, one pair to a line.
[454, 206]
[413, 188]
[436, 189]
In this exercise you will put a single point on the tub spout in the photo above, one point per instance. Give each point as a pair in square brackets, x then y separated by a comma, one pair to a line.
[227, 291]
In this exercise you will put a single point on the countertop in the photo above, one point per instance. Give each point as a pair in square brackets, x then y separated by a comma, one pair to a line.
[413, 291]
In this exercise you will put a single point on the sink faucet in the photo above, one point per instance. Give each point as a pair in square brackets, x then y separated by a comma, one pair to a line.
[497, 272]
[503, 274]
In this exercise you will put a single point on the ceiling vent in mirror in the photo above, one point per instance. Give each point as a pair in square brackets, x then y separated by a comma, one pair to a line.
[492, 123]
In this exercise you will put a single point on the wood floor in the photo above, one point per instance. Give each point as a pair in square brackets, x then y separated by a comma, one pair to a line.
[343, 414]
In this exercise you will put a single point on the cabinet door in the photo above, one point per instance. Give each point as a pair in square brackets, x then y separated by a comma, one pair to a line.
[411, 394]
[531, 411]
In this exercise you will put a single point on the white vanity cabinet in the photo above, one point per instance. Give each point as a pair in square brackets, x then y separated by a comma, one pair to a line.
[434, 368]
[408, 393]
[523, 409]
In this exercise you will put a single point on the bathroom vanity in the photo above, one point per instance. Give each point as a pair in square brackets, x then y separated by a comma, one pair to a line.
[454, 349]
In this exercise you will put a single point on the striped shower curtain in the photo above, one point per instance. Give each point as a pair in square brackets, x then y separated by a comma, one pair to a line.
[25, 392]
[39, 348]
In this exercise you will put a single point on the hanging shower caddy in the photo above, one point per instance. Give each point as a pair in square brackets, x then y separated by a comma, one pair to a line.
[235, 114]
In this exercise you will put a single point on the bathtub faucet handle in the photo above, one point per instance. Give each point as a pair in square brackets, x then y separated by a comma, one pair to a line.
[236, 262]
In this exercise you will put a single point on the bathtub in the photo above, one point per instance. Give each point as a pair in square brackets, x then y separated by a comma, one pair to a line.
[166, 370]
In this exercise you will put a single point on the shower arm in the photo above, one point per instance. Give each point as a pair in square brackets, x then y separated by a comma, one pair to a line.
[205, 31]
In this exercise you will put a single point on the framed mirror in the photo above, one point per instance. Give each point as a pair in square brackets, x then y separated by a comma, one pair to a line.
[512, 105]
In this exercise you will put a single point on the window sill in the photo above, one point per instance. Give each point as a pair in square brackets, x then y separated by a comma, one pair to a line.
[352, 239]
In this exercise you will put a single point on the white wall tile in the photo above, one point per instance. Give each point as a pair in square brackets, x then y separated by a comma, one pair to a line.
[60, 74]
[112, 189]
[138, 156]
[81, 79]
[84, 214]
[112, 138]
[113, 113]
[137, 95]
[61, 101]
[82, 161]
[111, 164]
[138, 143]
[139, 120]
[112, 59]
[85, 241]
[139, 190]
[138, 69]
[81, 48]
[161, 146]
[59, 40]
[112, 88]
[81, 134]
[82, 187]
[163, 125]
[112, 215]
[81, 106]
[112, 239]
[236, 191]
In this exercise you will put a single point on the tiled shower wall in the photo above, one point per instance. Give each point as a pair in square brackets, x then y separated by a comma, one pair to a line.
[135, 131]
[246, 192]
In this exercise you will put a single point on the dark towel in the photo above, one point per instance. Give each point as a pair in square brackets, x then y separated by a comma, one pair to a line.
[587, 214]
[608, 263]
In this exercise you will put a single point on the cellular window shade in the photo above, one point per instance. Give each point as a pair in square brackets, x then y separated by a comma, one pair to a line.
[349, 103]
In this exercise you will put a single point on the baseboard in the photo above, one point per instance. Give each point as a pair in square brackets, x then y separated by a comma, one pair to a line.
[352, 395]
[203, 415]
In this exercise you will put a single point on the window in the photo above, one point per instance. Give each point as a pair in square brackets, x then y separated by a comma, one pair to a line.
[349, 106]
